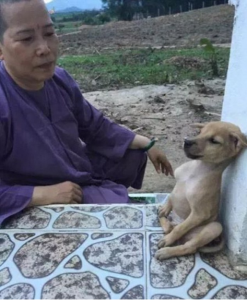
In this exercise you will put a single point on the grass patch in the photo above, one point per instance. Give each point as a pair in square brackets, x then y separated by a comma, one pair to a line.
[67, 27]
[128, 68]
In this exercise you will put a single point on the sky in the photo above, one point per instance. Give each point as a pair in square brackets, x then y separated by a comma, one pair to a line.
[46, 1]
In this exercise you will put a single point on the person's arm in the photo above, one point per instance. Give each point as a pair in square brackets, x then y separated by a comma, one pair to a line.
[105, 137]
[112, 140]
[157, 157]
[99, 133]
[61, 193]
[139, 142]
[13, 199]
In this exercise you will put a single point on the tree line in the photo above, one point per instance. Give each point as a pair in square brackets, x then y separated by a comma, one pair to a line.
[127, 9]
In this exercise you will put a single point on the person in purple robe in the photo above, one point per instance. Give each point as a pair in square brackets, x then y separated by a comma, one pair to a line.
[55, 147]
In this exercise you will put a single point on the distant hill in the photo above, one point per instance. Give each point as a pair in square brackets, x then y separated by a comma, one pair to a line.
[60, 5]
[69, 9]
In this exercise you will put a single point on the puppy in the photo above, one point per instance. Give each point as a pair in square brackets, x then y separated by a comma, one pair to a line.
[194, 202]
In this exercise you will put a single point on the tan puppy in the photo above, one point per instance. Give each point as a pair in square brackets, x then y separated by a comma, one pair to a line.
[194, 201]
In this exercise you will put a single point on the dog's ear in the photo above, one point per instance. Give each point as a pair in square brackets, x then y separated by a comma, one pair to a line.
[239, 140]
[198, 125]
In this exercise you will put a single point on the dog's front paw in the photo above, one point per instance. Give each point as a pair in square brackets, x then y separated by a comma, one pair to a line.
[161, 243]
[166, 241]
[164, 253]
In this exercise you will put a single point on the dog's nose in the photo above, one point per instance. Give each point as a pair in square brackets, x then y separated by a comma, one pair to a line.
[188, 143]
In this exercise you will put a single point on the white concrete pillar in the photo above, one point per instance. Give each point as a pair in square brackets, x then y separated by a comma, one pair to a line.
[234, 189]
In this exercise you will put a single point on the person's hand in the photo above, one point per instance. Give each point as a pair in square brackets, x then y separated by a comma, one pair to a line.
[160, 162]
[62, 193]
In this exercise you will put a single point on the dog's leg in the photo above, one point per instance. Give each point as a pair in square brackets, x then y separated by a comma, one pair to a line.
[166, 225]
[193, 220]
[165, 209]
[206, 235]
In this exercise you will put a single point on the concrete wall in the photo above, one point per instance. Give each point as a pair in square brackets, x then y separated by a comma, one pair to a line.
[234, 191]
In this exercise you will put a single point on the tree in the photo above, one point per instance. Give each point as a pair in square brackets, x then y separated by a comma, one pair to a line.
[53, 19]
[104, 18]
[60, 27]
[122, 9]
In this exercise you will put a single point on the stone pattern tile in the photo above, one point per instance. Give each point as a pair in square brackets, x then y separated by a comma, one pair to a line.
[55, 265]
[104, 252]
[200, 276]
[192, 277]
[81, 217]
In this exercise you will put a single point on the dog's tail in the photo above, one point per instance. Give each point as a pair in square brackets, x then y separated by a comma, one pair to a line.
[214, 248]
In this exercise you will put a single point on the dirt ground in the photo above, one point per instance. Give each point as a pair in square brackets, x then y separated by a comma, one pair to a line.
[183, 30]
[165, 112]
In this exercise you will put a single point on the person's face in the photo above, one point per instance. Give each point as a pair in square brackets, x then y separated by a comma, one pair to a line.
[30, 46]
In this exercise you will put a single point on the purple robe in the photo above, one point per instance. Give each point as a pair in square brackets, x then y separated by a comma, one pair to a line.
[41, 134]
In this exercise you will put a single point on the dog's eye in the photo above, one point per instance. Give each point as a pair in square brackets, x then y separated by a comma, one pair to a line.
[214, 141]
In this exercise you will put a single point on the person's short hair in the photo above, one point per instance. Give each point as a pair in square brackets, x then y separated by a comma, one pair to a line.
[3, 23]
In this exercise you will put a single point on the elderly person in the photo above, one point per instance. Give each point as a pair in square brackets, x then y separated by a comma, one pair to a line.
[55, 147]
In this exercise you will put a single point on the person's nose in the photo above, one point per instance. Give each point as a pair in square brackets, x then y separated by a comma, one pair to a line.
[43, 48]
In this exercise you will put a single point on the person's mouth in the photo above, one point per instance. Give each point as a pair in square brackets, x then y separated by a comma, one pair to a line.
[47, 65]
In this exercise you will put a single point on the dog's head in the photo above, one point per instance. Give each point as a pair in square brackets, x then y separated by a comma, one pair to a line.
[216, 142]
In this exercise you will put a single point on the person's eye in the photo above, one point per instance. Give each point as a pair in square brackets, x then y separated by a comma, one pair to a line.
[27, 39]
[49, 33]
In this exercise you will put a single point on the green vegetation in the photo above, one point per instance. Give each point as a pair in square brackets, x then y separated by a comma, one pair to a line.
[211, 51]
[67, 27]
[69, 22]
[139, 67]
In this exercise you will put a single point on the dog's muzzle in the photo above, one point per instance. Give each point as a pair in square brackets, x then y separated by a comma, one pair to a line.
[187, 149]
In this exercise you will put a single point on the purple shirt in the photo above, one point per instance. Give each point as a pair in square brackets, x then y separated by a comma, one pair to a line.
[41, 134]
